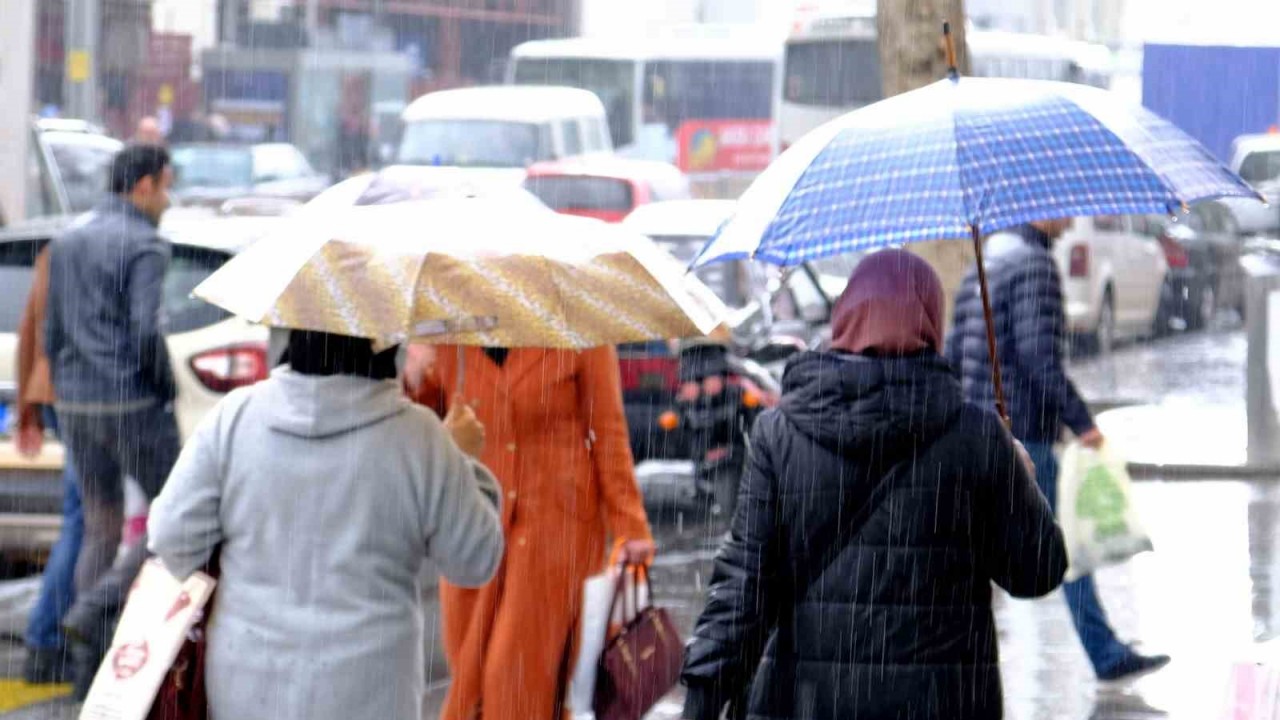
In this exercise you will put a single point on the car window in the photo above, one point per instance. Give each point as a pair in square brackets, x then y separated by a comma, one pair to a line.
[188, 268]
[730, 281]
[212, 167]
[474, 143]
[569, 192]
[16, 261]
[571, 135]
[279, 162]
[1260, 167]
[83, 169]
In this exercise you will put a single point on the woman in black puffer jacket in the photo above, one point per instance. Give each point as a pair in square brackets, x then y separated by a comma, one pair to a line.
[876, 510]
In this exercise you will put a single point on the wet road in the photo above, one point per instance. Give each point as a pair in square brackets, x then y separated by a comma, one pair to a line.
[1209, 595]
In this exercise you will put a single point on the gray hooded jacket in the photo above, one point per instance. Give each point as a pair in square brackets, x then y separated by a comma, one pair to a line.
[325, 496]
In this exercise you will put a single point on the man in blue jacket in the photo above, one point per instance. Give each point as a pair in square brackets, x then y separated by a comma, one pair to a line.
[1026, 298]
[105, 341]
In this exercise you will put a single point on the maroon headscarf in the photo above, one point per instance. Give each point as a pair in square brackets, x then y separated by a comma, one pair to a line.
[893, 305]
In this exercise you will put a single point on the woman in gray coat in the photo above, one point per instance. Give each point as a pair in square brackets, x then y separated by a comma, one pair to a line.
[324, 491]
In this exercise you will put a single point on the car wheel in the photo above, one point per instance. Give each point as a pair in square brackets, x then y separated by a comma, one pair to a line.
[1104, 335]
[1200, 313]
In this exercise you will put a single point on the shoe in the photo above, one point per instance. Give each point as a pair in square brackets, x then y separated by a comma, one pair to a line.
[1133, 666]
[46, 666]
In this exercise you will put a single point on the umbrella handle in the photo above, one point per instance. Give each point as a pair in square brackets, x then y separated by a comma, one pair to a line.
[461, 374]
[1001, 407]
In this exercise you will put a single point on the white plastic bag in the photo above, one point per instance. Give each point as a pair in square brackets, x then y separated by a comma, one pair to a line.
[600, 620]
[1095, 511]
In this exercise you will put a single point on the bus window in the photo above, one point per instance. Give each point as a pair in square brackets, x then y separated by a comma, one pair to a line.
[833, 73]
[676, 91]
[613, 81]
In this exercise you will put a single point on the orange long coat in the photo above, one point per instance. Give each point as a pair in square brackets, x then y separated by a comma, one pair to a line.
[556, 438]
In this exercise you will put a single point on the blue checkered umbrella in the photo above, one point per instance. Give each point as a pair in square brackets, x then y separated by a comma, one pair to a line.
[962, 158]
[966, 155]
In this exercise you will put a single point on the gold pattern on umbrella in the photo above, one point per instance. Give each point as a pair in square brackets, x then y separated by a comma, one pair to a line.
[488, 275]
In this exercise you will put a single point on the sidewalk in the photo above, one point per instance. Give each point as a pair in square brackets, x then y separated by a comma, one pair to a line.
[1175, 407]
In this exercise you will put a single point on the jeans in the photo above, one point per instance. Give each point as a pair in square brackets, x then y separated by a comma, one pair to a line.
[57, 586]
[1095, 633]
[143, 444]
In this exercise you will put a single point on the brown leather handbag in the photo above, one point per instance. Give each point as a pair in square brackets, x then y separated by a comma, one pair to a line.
[642, 662]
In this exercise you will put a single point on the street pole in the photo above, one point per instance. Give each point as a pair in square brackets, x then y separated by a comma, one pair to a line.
[83, 21]
[17, 74]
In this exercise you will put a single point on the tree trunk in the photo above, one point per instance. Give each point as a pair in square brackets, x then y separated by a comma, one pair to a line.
[912, 55]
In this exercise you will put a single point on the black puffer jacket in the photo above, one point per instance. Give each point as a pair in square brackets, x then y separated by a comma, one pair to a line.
[1026, 303]
[895, 623]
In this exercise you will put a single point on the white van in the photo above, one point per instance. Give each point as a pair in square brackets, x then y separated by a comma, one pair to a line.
[503, 128]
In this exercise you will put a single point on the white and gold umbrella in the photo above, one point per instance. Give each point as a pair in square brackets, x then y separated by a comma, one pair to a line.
[471, 271]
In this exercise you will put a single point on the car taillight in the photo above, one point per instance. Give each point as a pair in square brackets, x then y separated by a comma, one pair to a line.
[650, 373]
[1079, 261]
[227, 368]
[1174, 253]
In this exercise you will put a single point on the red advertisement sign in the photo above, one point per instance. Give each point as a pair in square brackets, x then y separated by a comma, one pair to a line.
[720, 145]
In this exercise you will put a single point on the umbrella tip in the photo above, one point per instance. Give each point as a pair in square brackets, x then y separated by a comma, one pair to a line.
[952, 71]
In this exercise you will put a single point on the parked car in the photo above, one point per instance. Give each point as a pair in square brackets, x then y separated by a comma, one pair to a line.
[502, 130]
[210, 174]
[774, 314]
[1203, 252]
[605, 187]
[212, 353]
[68, 168]
[1113, 276]
[1256, 159]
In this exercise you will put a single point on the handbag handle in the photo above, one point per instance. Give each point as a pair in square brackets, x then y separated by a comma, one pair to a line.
[619, 590]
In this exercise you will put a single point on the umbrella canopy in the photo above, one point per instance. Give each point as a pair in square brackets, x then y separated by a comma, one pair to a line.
[471, 271]
[967, 156]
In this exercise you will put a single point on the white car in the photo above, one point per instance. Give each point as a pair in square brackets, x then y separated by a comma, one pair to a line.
[212, 354]
[1112, 278]
[502, 130]
[1256, 159]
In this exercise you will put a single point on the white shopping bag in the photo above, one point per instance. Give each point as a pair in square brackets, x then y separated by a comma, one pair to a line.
[600, 621]
[1095, 510]
[160, 611]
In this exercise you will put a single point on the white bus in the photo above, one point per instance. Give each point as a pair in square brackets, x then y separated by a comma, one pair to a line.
[832, 64]
[705, 103]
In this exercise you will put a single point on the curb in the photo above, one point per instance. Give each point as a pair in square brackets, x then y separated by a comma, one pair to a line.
[1149, 471]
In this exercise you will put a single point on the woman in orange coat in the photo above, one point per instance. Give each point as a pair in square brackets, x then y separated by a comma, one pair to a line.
[557, 442]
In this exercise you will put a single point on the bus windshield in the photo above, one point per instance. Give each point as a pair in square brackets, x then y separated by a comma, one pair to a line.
[613, 81]
[832, 73]
[676, 91]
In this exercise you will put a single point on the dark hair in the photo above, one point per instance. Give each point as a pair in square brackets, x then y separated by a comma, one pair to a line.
[321, 353]
[134, 163]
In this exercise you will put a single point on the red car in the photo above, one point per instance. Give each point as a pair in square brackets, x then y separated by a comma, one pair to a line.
[605, 188]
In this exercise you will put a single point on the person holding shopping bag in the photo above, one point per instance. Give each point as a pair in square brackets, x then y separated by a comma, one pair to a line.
[558, 445]
[324, 491]
[1027, 304]
[876, 510]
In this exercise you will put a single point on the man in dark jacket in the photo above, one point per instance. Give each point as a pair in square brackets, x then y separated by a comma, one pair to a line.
[876, 510]
[1027, 304]
[106, 347]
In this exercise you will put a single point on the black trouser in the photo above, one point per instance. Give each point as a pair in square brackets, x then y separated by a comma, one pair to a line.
[106, 448]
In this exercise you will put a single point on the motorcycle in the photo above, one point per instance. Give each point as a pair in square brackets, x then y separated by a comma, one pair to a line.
[719, 398]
